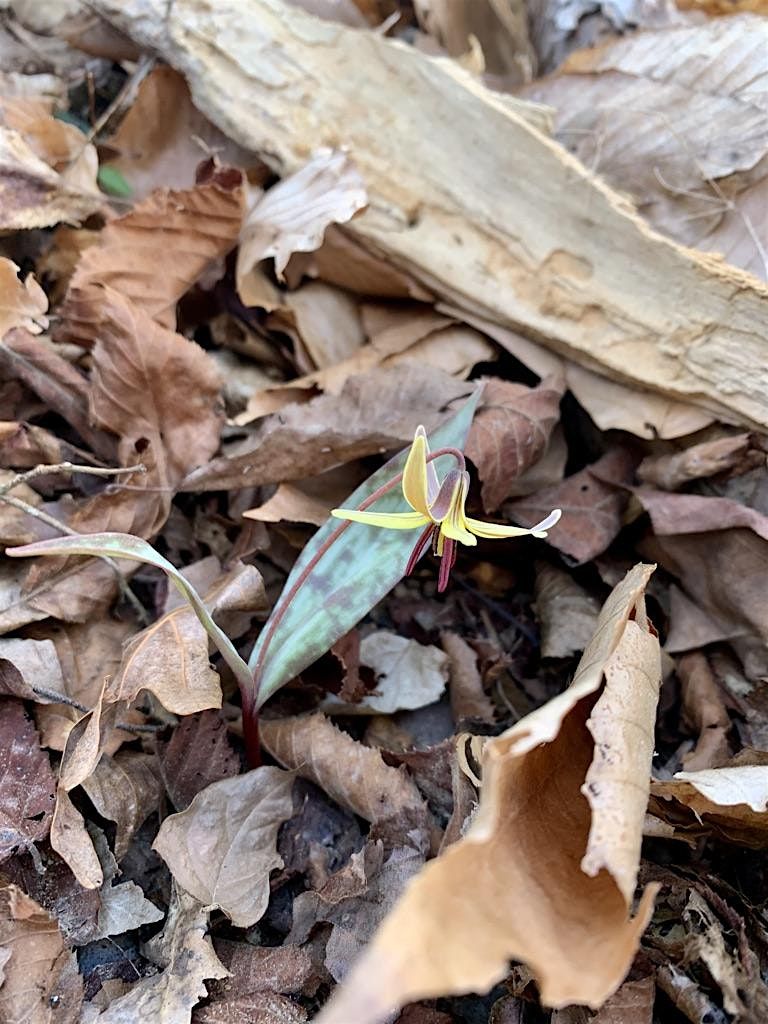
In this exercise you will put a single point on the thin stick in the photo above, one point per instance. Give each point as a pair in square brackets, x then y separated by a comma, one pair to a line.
[67, 467]
[44, 517]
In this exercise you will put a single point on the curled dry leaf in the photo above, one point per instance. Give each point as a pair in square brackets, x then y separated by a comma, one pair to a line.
[125, 789]
[73, 844]
[186, 955]
[293, 215]
[152, 269]
[408, 675]
[290, 504]
[730, 802]
[552, 853]
[468, 698]
[592, 501]
[353, 775]
[27, 666]
[22, 303]
[668, 472]
[170, 657]
[567, 614]
[184, 772]
[48, 168]
[510, 432]
[38, 973]
[703, 712]
[223, 847]
[27, 785]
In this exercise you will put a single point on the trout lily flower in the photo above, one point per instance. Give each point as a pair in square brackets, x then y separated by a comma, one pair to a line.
[438, 508]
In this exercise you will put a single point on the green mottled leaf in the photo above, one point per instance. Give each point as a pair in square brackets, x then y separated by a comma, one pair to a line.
[351, 577]
[123, 545]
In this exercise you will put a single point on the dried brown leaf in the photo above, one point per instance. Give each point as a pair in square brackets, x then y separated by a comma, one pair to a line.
[351, 774]
[375, 412]
[293, 215]
[510, 432]
[48, 168]
[223, 847]
[150, 268]
[29, 664]
[125, 789]
[731, 802]
[187, 958]
[163, 137]
[71, 841]
[27, 786]
[559, 826]
[325, 322]
[40, 984]
[22, 303]
[669, 472]
[184, 771]
[567, 614]
[703, 712]
[262, 1008]
[592, 501]
[292, 505]
[468, 698]
[170, 657]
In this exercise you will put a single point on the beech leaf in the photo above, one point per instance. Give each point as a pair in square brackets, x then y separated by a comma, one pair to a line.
[552, 853]
[223, 847]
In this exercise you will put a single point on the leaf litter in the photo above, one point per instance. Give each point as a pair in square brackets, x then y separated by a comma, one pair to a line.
[541, 796]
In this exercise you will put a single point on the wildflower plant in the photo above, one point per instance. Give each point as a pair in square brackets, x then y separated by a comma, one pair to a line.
[346, 568]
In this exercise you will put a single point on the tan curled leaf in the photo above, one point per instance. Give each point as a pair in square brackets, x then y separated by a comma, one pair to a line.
[408, 674]
[35, 964]
[547, 870]
[731, 802]
[353, 775]
[170, 657]
[26, 664]
[566, 612]
[125, 789]
[186, 956]
[223, 847]
[510, 432]
[47, 168]
[704, 713]
[668, 472]
[71, 841]
[293, 215]
[468, 698]
[154, 268]
[22, 303]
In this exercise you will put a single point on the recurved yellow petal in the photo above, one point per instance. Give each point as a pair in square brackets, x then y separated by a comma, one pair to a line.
[389, 520]
[494, 531]
[454, 526]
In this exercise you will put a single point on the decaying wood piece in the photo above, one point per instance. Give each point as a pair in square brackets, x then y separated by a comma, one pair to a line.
[470, 198]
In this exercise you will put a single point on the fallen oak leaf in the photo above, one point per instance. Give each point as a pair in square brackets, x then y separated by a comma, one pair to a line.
[222, 848]
[552, 853]
[27, 784]
[510, 432]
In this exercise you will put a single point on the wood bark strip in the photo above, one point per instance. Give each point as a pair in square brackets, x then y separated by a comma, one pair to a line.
[470, 198]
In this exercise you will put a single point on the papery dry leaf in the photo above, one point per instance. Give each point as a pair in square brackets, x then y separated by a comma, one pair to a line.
[262, 1008]
[152, 268]
[632, 1004]
[163, 137]
[374, 413]
[585, 756]
[223, 847]
[669, 472]
[292, 505]
[22, 303]
[24, 445]
[29, 664]
[351, 774]
[510, 432]
[408, 675]
[186, 955]
[125, 789]
[327, 323]
[39, 984]
[48, 168]
[27, 786]
[124, 907]
[634, 112]
[468, 698]
[71, 841]
[355, 900]
[592, 501]
[567, 614]
[293, 215]
[703, 712]
[85, 742]
[170, 658]
[184, 772]
[728, 802]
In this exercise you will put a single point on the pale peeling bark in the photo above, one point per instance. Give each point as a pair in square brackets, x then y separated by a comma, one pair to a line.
[470, 198]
